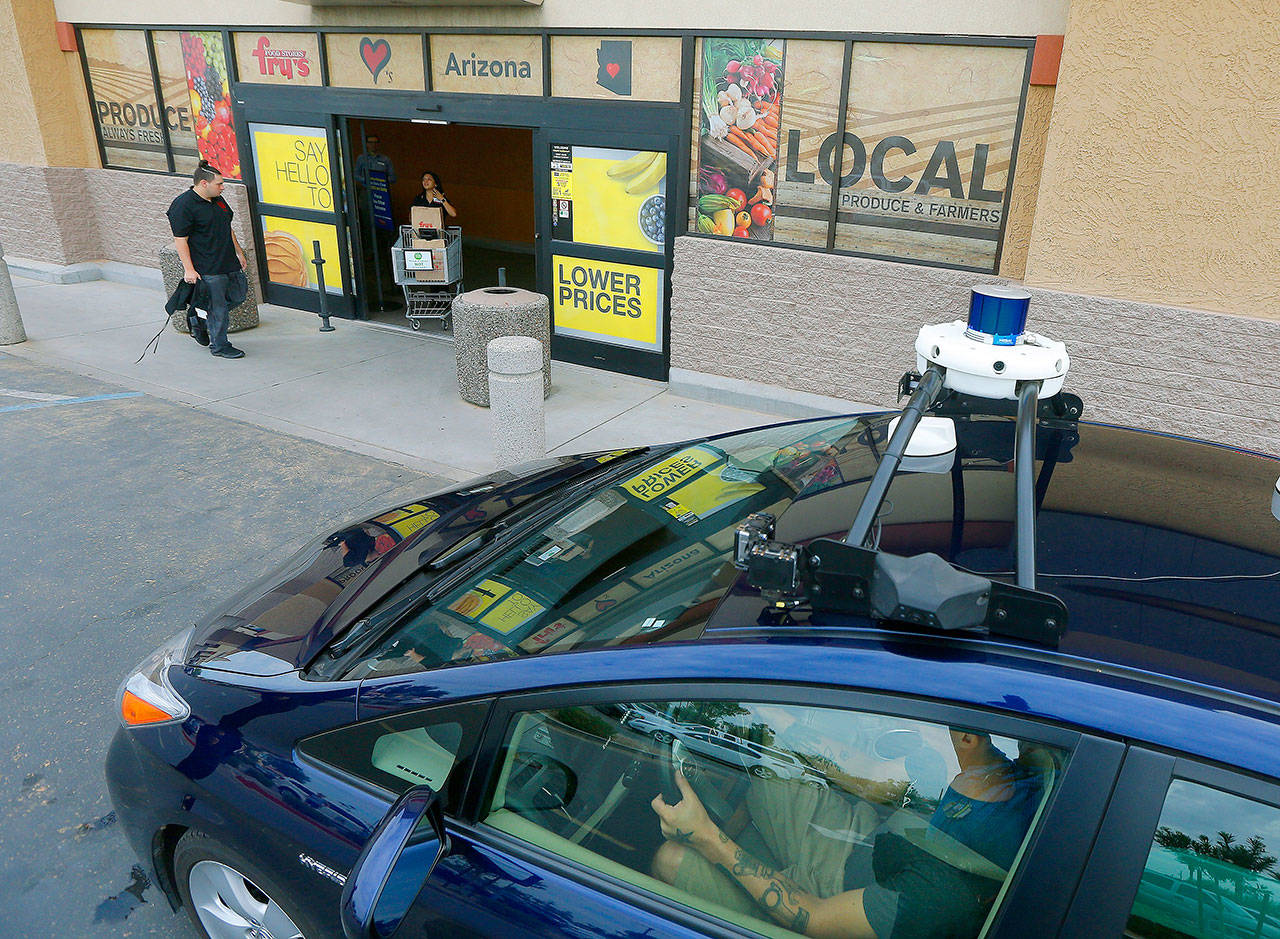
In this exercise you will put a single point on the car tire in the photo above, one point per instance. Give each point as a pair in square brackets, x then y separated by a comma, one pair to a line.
[225, 894]
[760, 771]
[662, 737]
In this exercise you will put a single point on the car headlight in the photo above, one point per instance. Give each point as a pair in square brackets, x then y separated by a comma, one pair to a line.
[146, 697]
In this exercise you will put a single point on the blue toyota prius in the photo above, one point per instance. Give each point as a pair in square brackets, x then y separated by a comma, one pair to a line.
[979, 669]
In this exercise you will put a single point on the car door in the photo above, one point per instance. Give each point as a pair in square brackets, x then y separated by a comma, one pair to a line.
[559, 834]
[1186, 850]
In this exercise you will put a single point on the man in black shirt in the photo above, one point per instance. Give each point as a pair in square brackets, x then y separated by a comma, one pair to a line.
[201, 222]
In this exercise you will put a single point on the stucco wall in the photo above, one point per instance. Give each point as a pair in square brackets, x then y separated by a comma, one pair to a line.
[1026, 181]
[1159, 181]
[45, 118]
[845, 326]
[965, 17]
[65, 215]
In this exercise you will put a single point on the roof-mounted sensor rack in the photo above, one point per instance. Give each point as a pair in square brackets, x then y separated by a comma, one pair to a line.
[989, 359]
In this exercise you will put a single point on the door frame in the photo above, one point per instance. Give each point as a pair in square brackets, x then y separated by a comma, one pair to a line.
[336, 304]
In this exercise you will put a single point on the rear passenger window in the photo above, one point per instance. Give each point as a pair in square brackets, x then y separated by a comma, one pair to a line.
[1212, 870]
[786, 819]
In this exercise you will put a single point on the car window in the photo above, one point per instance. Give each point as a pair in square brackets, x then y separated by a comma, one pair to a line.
[643, 560]
[1212, 870]
[792, 816]
[429, 747]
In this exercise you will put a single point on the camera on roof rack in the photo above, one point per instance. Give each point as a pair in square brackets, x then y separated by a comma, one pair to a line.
[989, 355]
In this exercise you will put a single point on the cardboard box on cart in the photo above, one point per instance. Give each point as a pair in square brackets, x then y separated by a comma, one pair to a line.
[432, 217]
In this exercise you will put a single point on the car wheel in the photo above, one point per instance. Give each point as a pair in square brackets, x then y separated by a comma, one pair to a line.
[662, 737]
[226, 896]
[760, 771]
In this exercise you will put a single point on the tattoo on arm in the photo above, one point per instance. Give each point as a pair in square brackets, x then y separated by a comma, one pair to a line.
[682, 837]
[778, 894]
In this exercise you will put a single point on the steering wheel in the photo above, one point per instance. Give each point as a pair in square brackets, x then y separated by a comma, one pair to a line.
[678, 758]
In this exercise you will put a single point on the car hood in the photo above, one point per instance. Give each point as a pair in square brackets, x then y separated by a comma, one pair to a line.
[278, 623]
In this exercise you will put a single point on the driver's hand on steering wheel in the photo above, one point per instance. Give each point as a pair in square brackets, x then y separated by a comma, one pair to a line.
[686, 822]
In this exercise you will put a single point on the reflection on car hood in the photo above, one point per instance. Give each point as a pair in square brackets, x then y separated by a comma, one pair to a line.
[292, 612]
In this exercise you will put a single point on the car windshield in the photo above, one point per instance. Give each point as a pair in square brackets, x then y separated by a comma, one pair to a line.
[642, 560]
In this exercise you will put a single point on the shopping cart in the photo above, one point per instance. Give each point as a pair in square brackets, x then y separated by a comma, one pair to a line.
[430, 298]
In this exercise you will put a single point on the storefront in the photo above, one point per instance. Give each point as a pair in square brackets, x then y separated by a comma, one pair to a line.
[574, 159]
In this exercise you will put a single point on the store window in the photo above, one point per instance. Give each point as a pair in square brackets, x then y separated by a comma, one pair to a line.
[929, 134]
[122, 94]
[786, 812]
[1212, 870]
[193, 117]
[922, 168]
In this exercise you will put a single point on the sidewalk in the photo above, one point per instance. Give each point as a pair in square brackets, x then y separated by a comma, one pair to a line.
[384, 392]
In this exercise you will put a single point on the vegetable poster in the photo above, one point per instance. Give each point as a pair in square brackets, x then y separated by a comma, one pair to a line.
[206, 66]
[612, 198]
[742, 82]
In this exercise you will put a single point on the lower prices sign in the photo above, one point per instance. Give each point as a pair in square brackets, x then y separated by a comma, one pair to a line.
[620, 304]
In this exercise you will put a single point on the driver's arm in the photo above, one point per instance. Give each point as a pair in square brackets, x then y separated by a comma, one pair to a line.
[837, 917]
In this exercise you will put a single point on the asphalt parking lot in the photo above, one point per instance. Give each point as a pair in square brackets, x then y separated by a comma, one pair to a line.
[124, 516]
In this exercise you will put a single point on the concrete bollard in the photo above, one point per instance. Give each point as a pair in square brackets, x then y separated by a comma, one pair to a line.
[11, 330]
[518, 421]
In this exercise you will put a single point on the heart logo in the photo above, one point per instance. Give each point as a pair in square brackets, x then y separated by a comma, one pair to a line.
[613, 68]
[376, 55]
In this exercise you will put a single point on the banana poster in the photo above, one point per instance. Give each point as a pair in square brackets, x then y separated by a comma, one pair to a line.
[611, 198]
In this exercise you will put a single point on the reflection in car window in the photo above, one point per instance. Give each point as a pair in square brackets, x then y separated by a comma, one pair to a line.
[790, 820]
[584, 579]
[1212, 869]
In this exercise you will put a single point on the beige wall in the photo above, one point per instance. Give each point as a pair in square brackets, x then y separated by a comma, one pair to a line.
[1026, 181]
[45, 118]
[1160, 179]
[845, 326]
[966, 17]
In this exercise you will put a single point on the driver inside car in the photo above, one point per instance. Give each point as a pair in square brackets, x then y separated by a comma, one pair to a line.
[795, 862]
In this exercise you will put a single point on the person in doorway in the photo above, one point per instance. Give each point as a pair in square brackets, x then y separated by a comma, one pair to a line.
[373, 159]
[433, 195]
[200, 220]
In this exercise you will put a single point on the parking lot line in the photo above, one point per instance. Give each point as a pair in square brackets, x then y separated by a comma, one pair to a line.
[51, 404]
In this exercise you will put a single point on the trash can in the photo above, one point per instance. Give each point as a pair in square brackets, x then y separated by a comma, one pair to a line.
[244, 316]
[482, 315]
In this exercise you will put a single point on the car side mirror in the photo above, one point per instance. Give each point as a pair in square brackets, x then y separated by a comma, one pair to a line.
[385, 879]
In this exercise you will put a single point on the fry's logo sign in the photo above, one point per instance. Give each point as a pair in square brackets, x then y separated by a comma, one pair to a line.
[283, 62]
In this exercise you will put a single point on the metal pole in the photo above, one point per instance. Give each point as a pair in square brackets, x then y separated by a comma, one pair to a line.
[11, 331]
[318, 261]
[1024, 448]
[925, 394]
[502, 277]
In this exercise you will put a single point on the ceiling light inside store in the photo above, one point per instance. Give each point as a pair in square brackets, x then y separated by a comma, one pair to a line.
[423, 120]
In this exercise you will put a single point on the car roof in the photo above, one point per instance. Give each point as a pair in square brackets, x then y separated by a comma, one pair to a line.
[1163, 548]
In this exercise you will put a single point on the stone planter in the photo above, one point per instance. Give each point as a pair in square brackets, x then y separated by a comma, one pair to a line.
[244, 316]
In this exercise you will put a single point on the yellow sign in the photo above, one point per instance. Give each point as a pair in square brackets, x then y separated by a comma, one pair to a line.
[620, 304]
[479, 598]
[710, 494]
[293, 166]
[289, 245]
[408, 519]
[671, 472]
[514, 611]
[613, 198]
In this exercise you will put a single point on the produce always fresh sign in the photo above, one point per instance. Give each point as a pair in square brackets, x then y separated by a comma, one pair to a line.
[620, 304]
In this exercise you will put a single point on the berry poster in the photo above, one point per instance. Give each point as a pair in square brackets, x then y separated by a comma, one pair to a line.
[205, 61]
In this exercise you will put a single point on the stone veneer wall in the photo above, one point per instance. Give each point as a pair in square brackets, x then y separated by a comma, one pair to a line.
[846, 327]
[66, 215]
